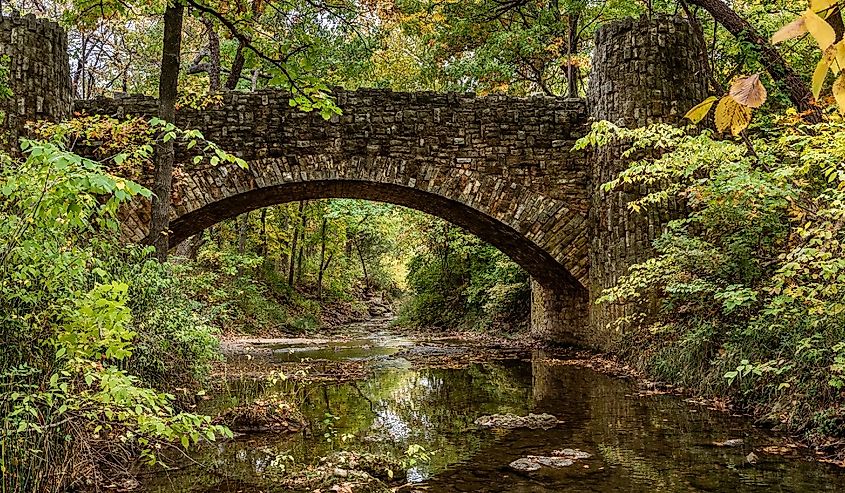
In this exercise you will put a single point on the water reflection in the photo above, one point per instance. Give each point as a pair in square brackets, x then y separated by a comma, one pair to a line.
[639, 443]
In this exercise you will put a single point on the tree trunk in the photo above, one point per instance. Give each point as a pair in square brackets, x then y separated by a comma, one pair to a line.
[795, 87]
[189, 248]
[237, 68]
[322, 259]
[264, 231]
[79, 73]
[301, 247]
[715, 85]
[294, 244]
[167, 88]
[363, 264]
[213, 54]
[243, 228]
[572, 48]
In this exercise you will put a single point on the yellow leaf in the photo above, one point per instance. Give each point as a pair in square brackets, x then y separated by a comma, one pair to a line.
[699, 111]
[821, 73]
[839, 92]
[792, 30]
[820, 29]
[731, 114]
[820, 5]
[748, 91]
[839, 55]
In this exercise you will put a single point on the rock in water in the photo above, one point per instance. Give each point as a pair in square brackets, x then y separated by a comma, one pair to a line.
[262, 415]
[572, 453]
[733, 442]
[536, 462]
[511, 421]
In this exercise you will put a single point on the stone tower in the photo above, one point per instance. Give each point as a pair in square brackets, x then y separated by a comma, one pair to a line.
[645, 71]
[34, 51]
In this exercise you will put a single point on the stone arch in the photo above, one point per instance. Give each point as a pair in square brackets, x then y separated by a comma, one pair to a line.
[542, 267]
[499, 166]
[504, 157]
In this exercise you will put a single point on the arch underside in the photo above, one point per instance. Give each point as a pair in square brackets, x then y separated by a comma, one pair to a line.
[535, 260]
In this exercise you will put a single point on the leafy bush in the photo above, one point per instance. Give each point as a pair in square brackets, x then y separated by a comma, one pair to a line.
[69, 404]
[176, 340]
[752, 277]
[458, 281]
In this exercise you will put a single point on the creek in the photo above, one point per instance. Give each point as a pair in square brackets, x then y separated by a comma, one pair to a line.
[429, 394]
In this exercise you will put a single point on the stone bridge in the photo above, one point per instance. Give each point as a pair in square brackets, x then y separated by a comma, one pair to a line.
[501, 167]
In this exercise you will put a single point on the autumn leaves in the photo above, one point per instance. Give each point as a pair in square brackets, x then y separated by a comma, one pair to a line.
[833, 52]
[734, 109]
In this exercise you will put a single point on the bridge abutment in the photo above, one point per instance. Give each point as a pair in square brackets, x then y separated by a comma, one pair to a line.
[560, 314]
[644, 71]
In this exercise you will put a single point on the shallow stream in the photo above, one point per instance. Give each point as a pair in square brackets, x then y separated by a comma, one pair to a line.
[639, 443]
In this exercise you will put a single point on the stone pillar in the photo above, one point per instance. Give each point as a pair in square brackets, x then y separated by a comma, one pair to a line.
[644, 71]
[38, 74]
[559, 315]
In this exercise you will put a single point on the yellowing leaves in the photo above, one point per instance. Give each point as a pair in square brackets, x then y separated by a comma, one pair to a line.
[839, 92]
[820, 5]
[730, 114]
[832, 59]
[819, 29]
[820, 73]
[792, 30]
[833, 53]
[809, 22]
[839, 56]
[734, 109]
[699, 111]
[748, 91]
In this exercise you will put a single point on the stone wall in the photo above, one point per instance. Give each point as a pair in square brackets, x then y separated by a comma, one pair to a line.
[560, 314]
[39, 74]
[644, 71]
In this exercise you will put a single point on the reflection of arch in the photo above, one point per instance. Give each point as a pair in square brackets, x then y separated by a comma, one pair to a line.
[536, 261]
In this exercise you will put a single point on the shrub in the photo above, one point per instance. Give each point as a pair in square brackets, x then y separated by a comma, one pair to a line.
[70, 407]
[751, 278]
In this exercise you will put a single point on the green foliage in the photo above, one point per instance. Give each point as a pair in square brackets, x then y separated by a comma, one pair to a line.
[240, 293]
[458, 281]
[291, 266]
[176, 338]
[69, 403]
[750, 280]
